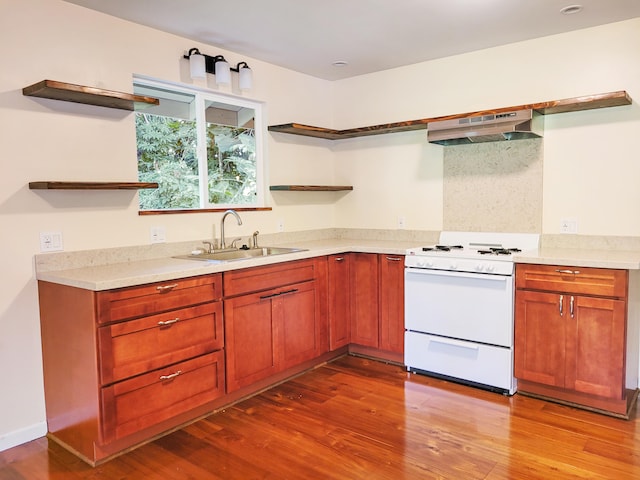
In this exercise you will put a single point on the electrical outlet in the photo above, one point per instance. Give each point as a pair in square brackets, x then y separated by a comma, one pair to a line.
[51, 242]
[158, 235]
[281, 225]
[401, 222]
[569, 225]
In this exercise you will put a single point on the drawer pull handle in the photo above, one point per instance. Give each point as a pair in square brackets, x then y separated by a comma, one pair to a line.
[170, 377]
[168, 322]
[265, 297]
[571, 306]
[560, 304]
[286, 292]
[339, 259]
[394, 259]
[569, 272]
[166, 288]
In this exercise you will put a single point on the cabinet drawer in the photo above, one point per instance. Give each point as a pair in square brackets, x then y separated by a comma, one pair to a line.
[137, 346]
[135, 404]
[601, 282]
[132, 302]
[255, 279]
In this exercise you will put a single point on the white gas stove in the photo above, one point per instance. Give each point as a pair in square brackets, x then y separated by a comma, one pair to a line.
[459, 307]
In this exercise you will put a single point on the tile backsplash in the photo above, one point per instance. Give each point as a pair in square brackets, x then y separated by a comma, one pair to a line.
[494, 187]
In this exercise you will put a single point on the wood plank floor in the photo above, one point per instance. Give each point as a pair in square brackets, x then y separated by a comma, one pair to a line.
[360, 419]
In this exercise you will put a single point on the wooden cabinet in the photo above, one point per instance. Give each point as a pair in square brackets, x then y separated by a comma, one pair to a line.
[339, 305]
[377, 305]
[365, 320]
[275, 319]
[123, 365]
[392, 303]
[570, 334]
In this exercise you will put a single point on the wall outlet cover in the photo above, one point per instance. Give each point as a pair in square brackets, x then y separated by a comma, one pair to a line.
[569, 225]
[158, 235]
[51, 242]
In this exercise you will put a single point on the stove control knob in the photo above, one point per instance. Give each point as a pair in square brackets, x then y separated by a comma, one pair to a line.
[420, 263]
[479, 267]
[489, 268]
[454, 266]
[428, 263]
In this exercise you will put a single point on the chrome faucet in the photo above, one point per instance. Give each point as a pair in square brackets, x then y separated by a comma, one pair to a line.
[226, 214]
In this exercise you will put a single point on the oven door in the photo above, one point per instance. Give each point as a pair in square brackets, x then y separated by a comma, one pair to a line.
[469, 306]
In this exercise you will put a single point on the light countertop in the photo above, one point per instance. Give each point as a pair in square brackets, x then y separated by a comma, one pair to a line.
[578, 257]
[139, 272]
[125, 274]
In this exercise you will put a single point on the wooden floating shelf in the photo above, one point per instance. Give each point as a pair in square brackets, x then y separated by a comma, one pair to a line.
[588, 102]
[310, 188]
[90, 185]
[88, 95]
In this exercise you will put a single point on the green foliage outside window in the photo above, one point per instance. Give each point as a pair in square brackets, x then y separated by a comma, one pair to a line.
[231, 164]
[167, 155]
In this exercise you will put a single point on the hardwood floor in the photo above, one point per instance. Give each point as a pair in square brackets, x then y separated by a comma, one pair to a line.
[356, 418]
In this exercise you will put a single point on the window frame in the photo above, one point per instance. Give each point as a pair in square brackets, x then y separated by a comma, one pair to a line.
[201, 96]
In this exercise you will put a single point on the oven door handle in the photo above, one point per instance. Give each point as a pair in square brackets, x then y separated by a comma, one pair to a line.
[449, 273]
[455, 343]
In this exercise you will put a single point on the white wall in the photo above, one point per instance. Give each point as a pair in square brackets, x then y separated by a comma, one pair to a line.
[590, 163]
[591, 167]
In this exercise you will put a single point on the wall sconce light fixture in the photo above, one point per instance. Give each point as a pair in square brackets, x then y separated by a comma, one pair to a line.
[201, 64]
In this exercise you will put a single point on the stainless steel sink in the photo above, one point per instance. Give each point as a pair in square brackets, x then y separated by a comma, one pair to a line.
[240, 254]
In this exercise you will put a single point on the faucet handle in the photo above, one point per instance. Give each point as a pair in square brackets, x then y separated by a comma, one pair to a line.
[233, 242]
[209, 245]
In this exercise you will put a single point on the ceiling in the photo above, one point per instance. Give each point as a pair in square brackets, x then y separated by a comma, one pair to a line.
[308, 36]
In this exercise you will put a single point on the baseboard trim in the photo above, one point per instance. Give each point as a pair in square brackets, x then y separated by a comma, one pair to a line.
[24, 435]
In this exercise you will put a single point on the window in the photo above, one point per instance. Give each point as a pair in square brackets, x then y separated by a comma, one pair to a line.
[204, 149]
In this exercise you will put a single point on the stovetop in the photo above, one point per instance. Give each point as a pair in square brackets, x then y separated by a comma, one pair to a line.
[472, 251]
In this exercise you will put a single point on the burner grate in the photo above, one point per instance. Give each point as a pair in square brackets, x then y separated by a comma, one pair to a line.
[499, 251]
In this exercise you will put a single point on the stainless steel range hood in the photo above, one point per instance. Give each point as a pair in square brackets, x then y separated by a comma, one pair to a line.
[486, 128]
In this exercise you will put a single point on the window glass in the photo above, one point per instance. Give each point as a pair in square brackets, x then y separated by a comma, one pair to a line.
[231, 154]
[203, 149]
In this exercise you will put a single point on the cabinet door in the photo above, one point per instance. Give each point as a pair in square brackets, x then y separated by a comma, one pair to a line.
[540, 337]
[250, 339]
[297, 310]
[392, 303]
[365, 328]
[595, 352]
[339, 306]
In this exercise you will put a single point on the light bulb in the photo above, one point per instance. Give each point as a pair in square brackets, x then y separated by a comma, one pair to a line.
[245, 81]
[197, 66]
[223, 72]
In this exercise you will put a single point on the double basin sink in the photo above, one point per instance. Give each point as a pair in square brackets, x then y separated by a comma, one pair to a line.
[240, 254]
